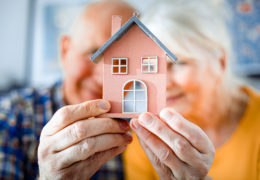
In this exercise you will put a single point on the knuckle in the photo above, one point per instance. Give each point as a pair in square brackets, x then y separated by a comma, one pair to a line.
[178, 122]
[158, 161]
[147, 137]
[77, 131]
[55, 165]
[181, 145]
[158, 128]
[195, 139]
[203, 170]
[172, 138]
[43, 152]
[165, 155]
[118, 139]
[90, 108]
[63, 113]
[88, 146]
[110, 124]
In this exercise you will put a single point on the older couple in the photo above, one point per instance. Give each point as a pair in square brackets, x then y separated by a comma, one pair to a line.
[208, 129]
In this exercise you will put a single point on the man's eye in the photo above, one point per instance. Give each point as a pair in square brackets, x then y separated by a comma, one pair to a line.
[93, 51]
[90, 53]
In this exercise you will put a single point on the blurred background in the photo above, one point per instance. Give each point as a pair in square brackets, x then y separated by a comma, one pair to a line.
[30, 30]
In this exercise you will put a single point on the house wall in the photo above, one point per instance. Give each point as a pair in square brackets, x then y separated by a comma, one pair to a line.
[133, 45]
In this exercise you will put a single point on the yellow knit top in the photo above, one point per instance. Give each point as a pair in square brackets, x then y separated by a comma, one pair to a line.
[238, 158]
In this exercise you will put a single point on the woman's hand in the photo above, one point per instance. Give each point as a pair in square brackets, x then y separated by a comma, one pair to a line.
[73, 145]
[177, 148]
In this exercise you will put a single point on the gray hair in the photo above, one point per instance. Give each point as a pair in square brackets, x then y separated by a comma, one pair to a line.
[194, 29]
[186, 21]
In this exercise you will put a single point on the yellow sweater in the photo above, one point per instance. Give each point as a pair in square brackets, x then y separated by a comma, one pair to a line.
[238, 158]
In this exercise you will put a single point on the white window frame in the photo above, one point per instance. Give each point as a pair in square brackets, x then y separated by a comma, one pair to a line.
[134, 90]
[149, 64]
[119, 65]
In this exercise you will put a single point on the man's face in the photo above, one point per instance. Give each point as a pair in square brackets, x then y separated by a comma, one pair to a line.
[83, 78]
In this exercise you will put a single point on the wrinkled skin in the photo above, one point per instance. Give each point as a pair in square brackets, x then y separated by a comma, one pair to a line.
[75, 144]
[177, 148]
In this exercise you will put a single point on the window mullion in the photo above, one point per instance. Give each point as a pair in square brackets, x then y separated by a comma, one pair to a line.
[119, 66]
[149, 69]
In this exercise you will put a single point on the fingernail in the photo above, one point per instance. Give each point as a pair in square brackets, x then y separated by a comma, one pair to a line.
[166, 114]
[146, 118]
[128, 136]
[103, 105]
[135, 123]
[124, 125]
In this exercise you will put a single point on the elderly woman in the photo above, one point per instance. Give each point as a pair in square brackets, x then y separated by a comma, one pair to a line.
[211, 126]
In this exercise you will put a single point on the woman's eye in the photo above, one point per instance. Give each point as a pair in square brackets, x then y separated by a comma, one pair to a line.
[181, 63]
[178, 64]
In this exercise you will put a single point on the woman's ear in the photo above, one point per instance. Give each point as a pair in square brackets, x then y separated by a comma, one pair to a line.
[220, 65]
[65, 42]
[223, 60]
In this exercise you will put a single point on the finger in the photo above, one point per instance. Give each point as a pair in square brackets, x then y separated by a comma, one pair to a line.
[162, 171]
[181, 146]
[160, 149]
[90, 146]
[71, 113]
[86, 128]
[190, 131]
[88, 167]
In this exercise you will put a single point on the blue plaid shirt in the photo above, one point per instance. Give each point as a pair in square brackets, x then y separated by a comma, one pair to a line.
[23, 114]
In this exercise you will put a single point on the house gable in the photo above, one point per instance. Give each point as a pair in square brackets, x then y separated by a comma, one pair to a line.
[126, 27]
[131, 43]
[134, 45]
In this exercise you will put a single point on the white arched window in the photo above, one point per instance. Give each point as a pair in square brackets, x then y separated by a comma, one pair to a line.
[134, 97]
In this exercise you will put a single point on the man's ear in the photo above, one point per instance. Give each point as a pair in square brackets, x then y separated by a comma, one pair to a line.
[65, 43]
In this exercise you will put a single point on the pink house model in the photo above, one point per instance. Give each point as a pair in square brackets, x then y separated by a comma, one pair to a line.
[134, 65]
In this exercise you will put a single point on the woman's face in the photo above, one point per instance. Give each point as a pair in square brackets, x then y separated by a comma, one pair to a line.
[191, 85]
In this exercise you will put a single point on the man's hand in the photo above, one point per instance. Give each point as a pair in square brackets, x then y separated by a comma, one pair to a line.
[74, 144]
[177, 148]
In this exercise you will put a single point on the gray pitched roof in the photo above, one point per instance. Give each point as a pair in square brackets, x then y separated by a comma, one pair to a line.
[123, 30]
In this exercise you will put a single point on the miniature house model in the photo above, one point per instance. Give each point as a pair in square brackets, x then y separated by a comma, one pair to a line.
[134, 77]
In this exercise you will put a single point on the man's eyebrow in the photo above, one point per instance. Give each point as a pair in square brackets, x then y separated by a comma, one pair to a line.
[90, 51]
[94, 50]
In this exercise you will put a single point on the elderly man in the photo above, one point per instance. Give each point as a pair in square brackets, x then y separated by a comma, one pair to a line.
[68, 147]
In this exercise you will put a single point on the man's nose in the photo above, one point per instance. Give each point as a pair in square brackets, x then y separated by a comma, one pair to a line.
[170, 80]
[98, 70]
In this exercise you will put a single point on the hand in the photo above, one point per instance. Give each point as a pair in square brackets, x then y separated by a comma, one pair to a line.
[177, 148]
[74, 144]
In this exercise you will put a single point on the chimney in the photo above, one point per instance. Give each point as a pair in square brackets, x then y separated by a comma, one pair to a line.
[116, 24]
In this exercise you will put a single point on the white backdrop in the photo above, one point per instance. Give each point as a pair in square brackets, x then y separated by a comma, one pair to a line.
[13, 36]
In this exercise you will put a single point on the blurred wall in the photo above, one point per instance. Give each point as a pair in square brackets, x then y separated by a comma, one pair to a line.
[16, 41]
[13, 42]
